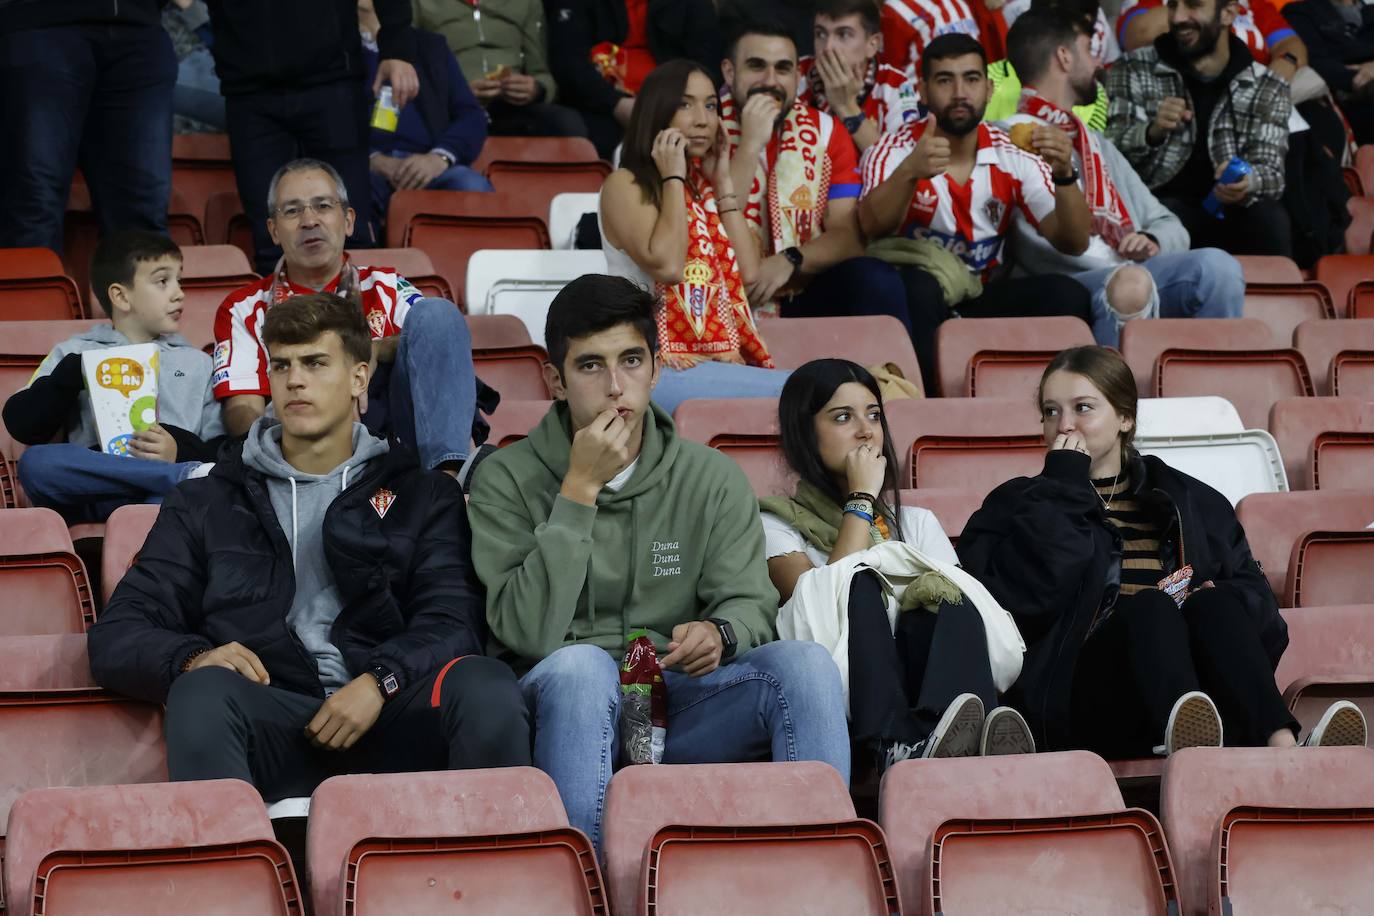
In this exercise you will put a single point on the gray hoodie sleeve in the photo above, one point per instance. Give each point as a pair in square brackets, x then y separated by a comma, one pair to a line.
[1148, 214]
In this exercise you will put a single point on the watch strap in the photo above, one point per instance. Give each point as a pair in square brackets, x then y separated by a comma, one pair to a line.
[387, 682]
[729, 643]
[1065, 182]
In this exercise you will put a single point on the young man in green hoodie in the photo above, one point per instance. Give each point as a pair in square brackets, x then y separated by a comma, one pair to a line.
[603, 522]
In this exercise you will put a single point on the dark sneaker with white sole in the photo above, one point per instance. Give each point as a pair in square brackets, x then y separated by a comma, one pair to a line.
[1193, 722]
[959, 730]
[1006, 732]
[1342, 725]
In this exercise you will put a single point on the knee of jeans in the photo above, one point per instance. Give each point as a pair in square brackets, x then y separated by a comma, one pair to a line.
[434, 315]
[33, 472]
[798, 664]
[460, 178]
[581, 671]
[1130, 292]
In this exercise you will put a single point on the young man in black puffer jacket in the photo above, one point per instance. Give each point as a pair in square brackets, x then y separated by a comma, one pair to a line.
[310, 607]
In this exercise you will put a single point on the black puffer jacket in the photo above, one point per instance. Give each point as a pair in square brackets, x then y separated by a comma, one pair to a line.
[217, 568]
[38, 14]
[1044, 548]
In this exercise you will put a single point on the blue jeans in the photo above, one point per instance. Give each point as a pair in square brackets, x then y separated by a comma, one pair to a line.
[1203, 283]
[98, 96]
[86, 486]
[717, 380]
[781, 701]
[197, 90]
[455, 178]
[428, 397]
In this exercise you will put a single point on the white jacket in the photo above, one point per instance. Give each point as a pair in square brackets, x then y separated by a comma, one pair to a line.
[819, 607]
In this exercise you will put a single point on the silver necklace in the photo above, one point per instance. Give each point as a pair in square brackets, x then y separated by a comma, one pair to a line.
[1107, 503]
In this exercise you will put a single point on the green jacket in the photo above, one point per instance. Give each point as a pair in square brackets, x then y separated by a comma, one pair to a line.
[681, 541]
[509, 32]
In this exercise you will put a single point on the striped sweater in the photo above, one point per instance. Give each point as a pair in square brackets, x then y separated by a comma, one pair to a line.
[1140, 536]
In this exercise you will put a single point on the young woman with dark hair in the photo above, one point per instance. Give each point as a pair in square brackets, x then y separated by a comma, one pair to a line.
[918, 692]
[671, 221]
[1148, 623]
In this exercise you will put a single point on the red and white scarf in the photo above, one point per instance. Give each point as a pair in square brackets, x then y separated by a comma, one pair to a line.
[1110, 219]
[791, 186]
[707, 315]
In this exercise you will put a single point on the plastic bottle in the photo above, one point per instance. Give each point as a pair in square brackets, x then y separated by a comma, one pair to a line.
[384, 114]
[1236, 169]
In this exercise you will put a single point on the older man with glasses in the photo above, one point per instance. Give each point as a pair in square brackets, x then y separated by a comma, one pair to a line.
[423, 389]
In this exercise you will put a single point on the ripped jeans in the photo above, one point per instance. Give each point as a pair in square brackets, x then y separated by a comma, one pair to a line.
[1203, 283]
[780, 701]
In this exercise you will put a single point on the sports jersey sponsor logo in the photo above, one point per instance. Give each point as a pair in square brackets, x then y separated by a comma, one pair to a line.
[220, 376]
[221, 355]
[977, 256]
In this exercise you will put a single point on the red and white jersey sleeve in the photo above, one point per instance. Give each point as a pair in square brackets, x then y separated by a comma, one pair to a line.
[1258, 23]
[971, 220]
[240, 358]
[910, 25]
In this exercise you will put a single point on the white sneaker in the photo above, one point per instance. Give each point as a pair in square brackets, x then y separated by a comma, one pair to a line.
[896, 752]
[1006, 732]
[959, 730]
[1193, 722]
[1342, 725]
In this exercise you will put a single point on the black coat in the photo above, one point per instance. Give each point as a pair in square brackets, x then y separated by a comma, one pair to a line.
[283, 45]
[1330, 47]
[217, 568]
[1044, 547]
[677, 28]
[38, 14]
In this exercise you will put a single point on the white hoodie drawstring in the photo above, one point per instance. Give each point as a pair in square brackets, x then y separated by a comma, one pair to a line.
[343, 485]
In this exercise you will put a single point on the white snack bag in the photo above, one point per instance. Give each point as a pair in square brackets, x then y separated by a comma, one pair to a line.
[122, 383]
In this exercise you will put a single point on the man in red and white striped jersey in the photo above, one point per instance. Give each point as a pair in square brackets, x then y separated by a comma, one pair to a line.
[845, 79]
[910, 25]
[423, 389]
[958, 183]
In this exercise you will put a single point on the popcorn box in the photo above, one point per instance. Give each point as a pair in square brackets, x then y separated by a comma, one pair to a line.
[122, 382]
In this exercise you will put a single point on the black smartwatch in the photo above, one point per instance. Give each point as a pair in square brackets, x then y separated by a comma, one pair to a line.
[854, 123]
[1065, 182]
[794, 255]
[386, 682]
[727, 637]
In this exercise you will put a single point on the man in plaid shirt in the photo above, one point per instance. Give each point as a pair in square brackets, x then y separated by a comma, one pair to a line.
[1183, 106]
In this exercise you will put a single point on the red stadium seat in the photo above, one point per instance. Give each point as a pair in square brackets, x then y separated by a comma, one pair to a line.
[1330, 656]
[952, 506]
[746, 429]
[45, 583]
[534, 149]
[204, 296]
[1275, 522]
[1361, 229]
[418, 842]
[226, 224]
[1142, 342]
[213, 262]
[544, 181]
[515, 372]
[797, 849]
[33, 286]
[125, 531]
[184, 224]
[1352, 374]
[513, 420]
[23, 347]
[1329, 568]
[201, 168]
[1342, 273]
[1252, 380]
[1269, 269]
[450, 225]
[1320, 342]
[1299, 423]
[977, 443]
[863, 339]
[1319, 868]
[495, 331]
[166, 848]
[1015, 350]
[1284, 306]
[918, 796]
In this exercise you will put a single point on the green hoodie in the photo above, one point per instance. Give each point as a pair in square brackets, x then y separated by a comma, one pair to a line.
[682, 541]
